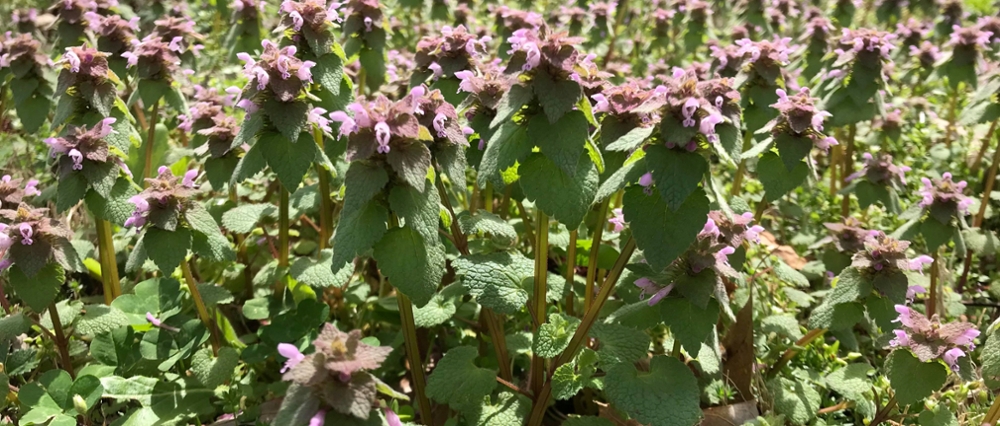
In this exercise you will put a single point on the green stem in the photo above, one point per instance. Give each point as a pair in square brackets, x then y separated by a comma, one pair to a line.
[147, 168]
[993, 414]
[791, 352]
[199, 305]
[540, 309]
[326, 203]
[848, 169]
[932, 295]
[413, 355]
[109, 266]
[676, 351]
[283, 225]
[974, 168]
[580, 336]
[595, 248]
[60, 340]
[488, 198]
[741, 169]
[571, 272]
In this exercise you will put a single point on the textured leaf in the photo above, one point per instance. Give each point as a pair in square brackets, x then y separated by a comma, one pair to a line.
[412, 266]
[87, 387]
[419, 209]
[777, 179]
[554, 336]
[796, 400]
[852, 381]
[320, 273]
[99, 319]
[689, 323]
[556, 96]
[509, 409]
[662, 233]
[165, 248]
[13, 325]
[115, 208]
[486, 223]
[570, 378]
[213, 295]
[510, 103]
[631, 140]
[438, 311]
[911, 379]
[363, 181]
[506, 146]
[940, 416]
[70, 191]
[358, 231]
[289, 160]
[677, 173]
[782, 325]
[244, 218]
[620, 344]
[457, 381]
[288, 117]
[665, 396]
[40, 290]
[213, 371]
[628, 173]
[563, 197]
[563, 141]
[495, 279]
[411, 163]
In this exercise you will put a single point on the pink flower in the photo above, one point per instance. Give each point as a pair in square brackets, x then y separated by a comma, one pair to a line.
[902, 339]
[917, 263]
[439, 121]
[318, 419]
[73, 60]
[5, 240]
[966, 338]
[304, 73]
[722, 256]
[175, 44]
[709, 230]
[951, 358]
[392, 418]
[646, 180]
[382, 135]
[31, 188]
[368, 23]
[347, 124]
[292, 353]
[26, 233]
[913, 290]
[436, 69]
[247, 105]
[77, 158]
[159, 324]
[602, 104]
[131, 58]
[617, 219]
[466, 84]
[904, 316]
[262, 77]
[315, 116]
[296, 20]
[189, 177]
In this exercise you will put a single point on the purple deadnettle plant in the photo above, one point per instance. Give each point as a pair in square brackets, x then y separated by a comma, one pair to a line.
[931, 340]
[451, 52]
[22, 59]
[967, 47]
[32, 242]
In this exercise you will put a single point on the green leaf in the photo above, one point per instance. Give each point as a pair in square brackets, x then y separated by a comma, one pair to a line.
[213, 295]
[244, 218]
[677, 173]
[940, 416]
[257, 309]
[566, 198]
[510, 103]
[13, 325]
[852, 381]
[911, 379]
[495, 279]
[298, 406]
[587, 421]
[619, 344]
[289, 160]
[172, 398]
[570, 378]
[792, 149]
[457, 381]
[70, 191]
[115, 208]
[320, 273]
[628, 173]
[554, 336]
[556, 96]
[661, 232]
[40, 290]
[689, 323]
[100, 319]
[363, 181]
[796, 400]
[252, 124]
[250, 164]
[506, 146]
[358, 231]
[782, 325]
[411, 163]
[438, 311]
[509, 410]
[935, 233]
[89, 388]
[698, 288]
[213, 371]
[563, 141]
[165, 248]
[981, 242]
[289, 118]
[414, 267]
[665, 396]
[484, 222]
[373, 62]
[631, 140]
[777, 179]
[201, 220]
[418, 208]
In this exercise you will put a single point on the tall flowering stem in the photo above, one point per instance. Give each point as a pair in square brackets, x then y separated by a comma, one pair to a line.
[62, 344]
[199, 304]
[413, 356]
[595, 246]
[326, 203]
[283, 226]
[109, 266]
[539, 309]
[147, 167]
[580, 336]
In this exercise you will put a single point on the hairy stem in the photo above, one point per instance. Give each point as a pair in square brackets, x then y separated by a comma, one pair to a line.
[742, 168]
[488, 197]
[845, 204]
[326, 203]
[147, 168]
[109, 266]
[974, 168]
[60, 340]
[580, 336]
[538, 299]
[413, 355]
[993, 414]
[571, 271]
[283, 224]
[199, 305]
[527, 224]
[791, 352]
[932, 294]
[595, 248]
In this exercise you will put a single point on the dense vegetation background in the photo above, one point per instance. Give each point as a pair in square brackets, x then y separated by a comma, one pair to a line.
[669, 212]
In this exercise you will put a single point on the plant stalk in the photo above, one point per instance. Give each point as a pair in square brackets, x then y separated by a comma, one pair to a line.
[413, 355]
[571, 272]
[60, 340]
[595, 248]
[539, 310]
[993, 414]
[791, 352]
[741, 170]
[977, 220]
[147, 168]
[109, 266]
[848, 169]
[580, 336]
[932, 294]
[488, 197]
[283, 225]
[326, 203]
[974, 168]
[199, 305]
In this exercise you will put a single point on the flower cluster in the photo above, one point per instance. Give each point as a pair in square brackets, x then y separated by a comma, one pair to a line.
[727, 60]
[990, 24]
[220, 135]
[515, 19]
[450, 52]
[687, 105]
[24, 19]
[362, 16]
[80, 145]
[85, 64]
[23, 54]
[314, 13]
[885, 254]
[32, 239]
[867, 45]
[912, 32]
[928, 339]
[487, 86]
[153, 58]
[765, 54]
[177, 32]
[277, 69]
[114, 33]
[799, 116]
[818, 31]
[552, 52]
[880, 170]
[338, 370]
[969, 39]
[73, 11]
[927, 54]
[944, 195]
[717, 240]
[436, 114]
[248, 10]
[11, 193]
[163, 201]
[630, 103]
[848, 237]
[208, 105]
[378, 125]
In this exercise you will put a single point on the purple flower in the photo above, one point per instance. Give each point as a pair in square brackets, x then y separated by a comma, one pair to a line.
[722, 256]
[951, 358]
[902, 339]
[189, 177]
[382, 135]
[917, 263]
[292, 353]
[649, 287]
[392, 418]
[945, 192]
[31, 188]
[5, 240]
[439, 120]
[159, 324]
[347, 124]
[77, 158]
[138, 218]
[315, 116]
[73, 59]
[913, 290]
[26, 232]
[617, 219]
[318, 419]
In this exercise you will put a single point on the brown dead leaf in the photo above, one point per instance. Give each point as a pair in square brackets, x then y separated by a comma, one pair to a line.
[787, 254]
